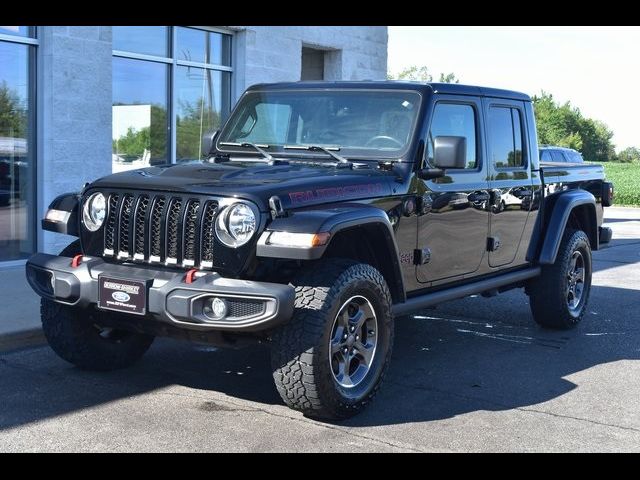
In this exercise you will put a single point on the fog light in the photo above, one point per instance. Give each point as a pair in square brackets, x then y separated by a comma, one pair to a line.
[215, 309]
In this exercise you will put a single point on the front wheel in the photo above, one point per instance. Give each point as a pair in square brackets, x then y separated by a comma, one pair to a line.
[330, 359]
[77, 336]
[558, 297]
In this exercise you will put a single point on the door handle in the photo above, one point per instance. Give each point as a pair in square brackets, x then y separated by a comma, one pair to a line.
[479, 197]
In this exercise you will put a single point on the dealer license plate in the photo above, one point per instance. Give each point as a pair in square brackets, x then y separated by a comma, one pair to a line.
[128, 296]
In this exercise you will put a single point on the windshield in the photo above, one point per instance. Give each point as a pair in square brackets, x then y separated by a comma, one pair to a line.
[360, 123]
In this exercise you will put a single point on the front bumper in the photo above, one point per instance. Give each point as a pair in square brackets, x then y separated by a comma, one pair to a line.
[169, 298]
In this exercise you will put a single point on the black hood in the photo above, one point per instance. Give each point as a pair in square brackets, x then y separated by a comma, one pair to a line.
[297, 185]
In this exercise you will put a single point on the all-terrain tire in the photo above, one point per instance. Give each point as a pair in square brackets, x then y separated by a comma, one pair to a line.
[76, 336]
[550, 295]
[304, 369]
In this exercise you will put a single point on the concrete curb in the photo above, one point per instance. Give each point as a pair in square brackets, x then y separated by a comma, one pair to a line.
[26, 338]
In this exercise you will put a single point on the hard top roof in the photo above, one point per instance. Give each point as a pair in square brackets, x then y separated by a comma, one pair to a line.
[435, 87]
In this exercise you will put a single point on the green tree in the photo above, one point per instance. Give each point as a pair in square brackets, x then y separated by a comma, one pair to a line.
[153, 139]
[421, 74]
[13, 115]
[629, 155]
[194, 119]
[448, 78]
[158, 135]
[565, 126]
[133, 143]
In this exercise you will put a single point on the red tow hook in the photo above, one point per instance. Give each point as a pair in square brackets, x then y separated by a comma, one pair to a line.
[191, 275]
[77, 260]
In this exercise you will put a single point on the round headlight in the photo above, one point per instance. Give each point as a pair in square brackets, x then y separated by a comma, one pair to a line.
[94, 211]
[236, 225]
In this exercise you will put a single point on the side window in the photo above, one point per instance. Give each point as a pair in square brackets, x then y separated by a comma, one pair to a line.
[505, 137]
[558, 156]
[545, 156]
[458, 120]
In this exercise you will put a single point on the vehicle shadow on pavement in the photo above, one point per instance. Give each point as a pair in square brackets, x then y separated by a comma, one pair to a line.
[444, 364]
[448, 365]
[39, 385]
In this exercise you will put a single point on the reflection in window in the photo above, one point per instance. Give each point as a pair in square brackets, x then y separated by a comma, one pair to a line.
[16, 162]
[148, 40]
[505, 137]
[139, 114]
[558, 156]
[275, 119]
[455, 120]
[147, 91]
[200, 105]
[359, 122]
[18, 31]
[203, 46]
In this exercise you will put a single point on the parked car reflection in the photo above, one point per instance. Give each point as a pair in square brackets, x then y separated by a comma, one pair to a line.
[13, 168]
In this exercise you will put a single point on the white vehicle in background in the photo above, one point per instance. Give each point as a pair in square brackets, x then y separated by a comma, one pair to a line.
[553, 154]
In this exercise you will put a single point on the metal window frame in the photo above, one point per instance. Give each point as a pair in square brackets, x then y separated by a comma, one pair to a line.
[17, 39]
[33, 145]
[173, 64]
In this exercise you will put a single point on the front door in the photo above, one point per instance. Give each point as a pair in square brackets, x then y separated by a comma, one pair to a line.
[509, 182]
[452, 234]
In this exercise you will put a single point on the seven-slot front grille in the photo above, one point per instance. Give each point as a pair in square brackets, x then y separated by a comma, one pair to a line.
[166, 229]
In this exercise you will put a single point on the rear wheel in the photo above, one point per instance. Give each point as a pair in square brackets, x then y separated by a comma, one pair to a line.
[77, 336]
[559, 296]
[330, 359]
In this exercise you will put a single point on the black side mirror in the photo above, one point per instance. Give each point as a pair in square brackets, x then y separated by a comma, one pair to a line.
[450, 152]
[430, 173]
[208, 141]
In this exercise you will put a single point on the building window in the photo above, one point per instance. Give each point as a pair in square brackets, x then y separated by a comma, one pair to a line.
[171, 85]
[17, 149]
[139, 116]
[312, 64]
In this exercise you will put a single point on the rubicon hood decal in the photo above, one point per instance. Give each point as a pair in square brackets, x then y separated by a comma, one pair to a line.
[335, 193]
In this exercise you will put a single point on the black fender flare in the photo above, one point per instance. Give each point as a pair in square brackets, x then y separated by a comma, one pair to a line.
[332, 221]
[69, 203]
[564, 204]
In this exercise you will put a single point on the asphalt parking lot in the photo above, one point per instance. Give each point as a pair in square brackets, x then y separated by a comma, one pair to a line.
[471, 375]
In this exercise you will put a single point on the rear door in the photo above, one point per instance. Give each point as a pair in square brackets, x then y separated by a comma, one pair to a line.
[510, 181]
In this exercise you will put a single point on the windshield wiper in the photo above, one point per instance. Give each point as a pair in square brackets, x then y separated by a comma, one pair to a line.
[257, 148]
[318, 148]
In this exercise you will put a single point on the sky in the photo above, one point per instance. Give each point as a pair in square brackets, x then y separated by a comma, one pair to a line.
[597, 69]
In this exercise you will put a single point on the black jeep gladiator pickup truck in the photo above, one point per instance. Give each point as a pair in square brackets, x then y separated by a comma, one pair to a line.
[323, 212]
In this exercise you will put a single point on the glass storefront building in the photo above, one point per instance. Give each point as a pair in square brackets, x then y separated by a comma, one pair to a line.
[79, 102]
[17, 153]
[147, 61]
